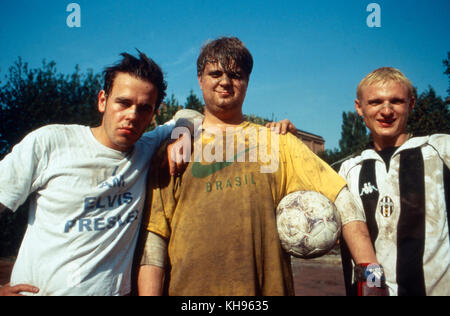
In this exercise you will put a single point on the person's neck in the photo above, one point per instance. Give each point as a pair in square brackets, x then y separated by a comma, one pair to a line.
[101, 136]
[214, 121]
[382, 143]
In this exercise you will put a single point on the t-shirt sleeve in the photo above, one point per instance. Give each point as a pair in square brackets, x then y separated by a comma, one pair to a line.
[306, 171]
[183, 118]
[157, 136]
[22, 170]
[160, 200]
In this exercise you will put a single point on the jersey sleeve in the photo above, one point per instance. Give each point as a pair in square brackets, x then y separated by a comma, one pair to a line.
[22, 169]
[306, 171]
[441, 143]
[160, 200]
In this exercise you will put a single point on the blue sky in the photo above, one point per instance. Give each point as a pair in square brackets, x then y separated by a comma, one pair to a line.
[309, 55]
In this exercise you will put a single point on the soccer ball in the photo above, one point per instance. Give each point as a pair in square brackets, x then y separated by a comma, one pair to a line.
[308, 224]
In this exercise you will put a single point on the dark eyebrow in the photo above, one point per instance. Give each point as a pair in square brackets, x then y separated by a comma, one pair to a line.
[378, 100]
[145, 105]
[230, 74]
[122, 100]
[396, 99]
[374, 100]
[127, 101]
[215, 72]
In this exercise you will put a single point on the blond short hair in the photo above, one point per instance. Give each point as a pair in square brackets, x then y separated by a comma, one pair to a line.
[382, 76]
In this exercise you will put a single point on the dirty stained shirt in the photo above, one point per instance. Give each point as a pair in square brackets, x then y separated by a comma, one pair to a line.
[219, 217]
[406, 201]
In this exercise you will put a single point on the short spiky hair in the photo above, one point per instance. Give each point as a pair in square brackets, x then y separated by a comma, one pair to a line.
[143, 68]
[382, 76]
[229, 52]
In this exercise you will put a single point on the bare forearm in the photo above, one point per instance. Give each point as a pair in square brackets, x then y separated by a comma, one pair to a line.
[150, 280]
[357, 238]
[354, 230]
[153, 261]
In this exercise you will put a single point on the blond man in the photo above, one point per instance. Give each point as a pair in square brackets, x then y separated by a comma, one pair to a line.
[402, 182]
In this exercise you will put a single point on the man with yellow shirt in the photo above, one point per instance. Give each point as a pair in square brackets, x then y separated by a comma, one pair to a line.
[217, 221]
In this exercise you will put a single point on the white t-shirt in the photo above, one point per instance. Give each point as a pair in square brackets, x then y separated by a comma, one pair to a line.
[85, 210]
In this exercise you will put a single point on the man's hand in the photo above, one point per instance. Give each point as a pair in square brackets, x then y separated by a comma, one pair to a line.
[282, 127]
[179, 154]
[8, 290]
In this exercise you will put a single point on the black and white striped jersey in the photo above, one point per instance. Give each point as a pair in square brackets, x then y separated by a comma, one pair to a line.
[406, 206]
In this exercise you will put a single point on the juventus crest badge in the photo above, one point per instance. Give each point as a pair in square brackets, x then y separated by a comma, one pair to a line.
[386, 206]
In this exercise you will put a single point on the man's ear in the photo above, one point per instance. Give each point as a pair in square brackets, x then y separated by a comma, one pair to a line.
[199, 78]
[358, 108]
[101, 103]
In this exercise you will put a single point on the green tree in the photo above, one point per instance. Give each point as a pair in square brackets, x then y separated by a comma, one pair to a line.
[354, 138]
[429, 116]
[32, 98]
[354, 135]
[166, 111]
[332, 157]
[193, 102]
[256, 119]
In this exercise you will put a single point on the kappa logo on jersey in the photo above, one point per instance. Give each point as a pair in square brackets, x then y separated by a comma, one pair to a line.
[368, 189]
[386, 206]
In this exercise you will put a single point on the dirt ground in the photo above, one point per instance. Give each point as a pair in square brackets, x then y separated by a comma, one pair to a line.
[318, 277]
[315, 277]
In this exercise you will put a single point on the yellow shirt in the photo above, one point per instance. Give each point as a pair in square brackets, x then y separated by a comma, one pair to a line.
[219, 217]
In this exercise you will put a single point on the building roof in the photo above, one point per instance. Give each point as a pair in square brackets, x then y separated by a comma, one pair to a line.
[317, 137]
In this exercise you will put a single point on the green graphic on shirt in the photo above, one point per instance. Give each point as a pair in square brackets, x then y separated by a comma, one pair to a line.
[201, 171]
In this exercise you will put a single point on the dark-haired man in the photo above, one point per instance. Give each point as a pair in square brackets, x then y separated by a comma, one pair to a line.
[218, 219]
[87, 188]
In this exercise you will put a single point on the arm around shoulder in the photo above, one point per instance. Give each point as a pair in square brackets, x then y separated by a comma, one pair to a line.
[188, 118]
[183, 118]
